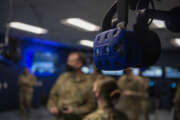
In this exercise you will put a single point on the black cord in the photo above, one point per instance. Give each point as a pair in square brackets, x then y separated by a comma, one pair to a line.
[108, 17]
[138, 4]
[154, 8]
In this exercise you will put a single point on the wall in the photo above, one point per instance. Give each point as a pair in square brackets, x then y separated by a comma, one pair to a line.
[169, 58]
[9, 88]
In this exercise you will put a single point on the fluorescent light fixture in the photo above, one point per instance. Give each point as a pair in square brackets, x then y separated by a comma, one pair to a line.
[177, 41]
[27, 28]
[159, 24]
[87, 43]
[80, 23]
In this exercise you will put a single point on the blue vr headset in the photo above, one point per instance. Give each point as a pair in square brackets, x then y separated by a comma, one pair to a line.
[116, 48]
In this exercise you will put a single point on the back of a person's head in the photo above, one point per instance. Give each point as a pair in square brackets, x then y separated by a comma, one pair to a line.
[107, 90]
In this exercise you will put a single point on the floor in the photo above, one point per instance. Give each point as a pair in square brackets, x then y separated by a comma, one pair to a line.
[36, 114]
[42, 114]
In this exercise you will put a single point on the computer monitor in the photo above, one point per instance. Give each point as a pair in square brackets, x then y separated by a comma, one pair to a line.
[154, 71]
[87, 69]
[44, 63]
[113, 73]
[172, 72]
[119, 72]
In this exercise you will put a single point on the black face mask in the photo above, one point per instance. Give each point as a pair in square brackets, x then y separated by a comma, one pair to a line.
[70, 68]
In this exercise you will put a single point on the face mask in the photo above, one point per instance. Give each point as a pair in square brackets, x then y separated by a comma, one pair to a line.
[70, 68]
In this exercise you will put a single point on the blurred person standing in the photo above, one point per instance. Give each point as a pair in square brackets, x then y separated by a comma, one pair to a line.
[131, 94]
[106, 92]
[177, 103]
[26, 82]
[71, 96]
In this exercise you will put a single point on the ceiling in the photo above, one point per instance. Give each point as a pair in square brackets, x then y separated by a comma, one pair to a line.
[48, 14]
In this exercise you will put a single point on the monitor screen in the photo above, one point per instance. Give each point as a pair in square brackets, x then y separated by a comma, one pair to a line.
[87, 69]
[44, 63]
[119, 72]
[172, 72]
[154, 71]
[113, 73]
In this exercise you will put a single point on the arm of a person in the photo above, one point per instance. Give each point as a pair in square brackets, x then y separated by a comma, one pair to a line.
[93, 116]
[54, 96]
[120, 82]
[177, 96]
[140, 92]
[86, 118]
[88, 107]
[22, 81]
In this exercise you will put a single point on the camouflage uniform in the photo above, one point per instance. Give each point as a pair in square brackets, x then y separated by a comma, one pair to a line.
[130, 105]
[145, 100]
[26, 83]
[177, 103]
[105, 114]
[75, 91]
[95, 77]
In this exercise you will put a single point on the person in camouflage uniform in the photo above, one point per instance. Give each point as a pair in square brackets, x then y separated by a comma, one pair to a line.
[71, 97]
[145, 103]
[26, 82]
[177, 103]
[106, 92]
[132, 93]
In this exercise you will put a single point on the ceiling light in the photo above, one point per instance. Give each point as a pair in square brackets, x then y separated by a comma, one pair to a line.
[80, 23]
[86, 43]
[177, 41]
[27, 28]
[158, 24]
